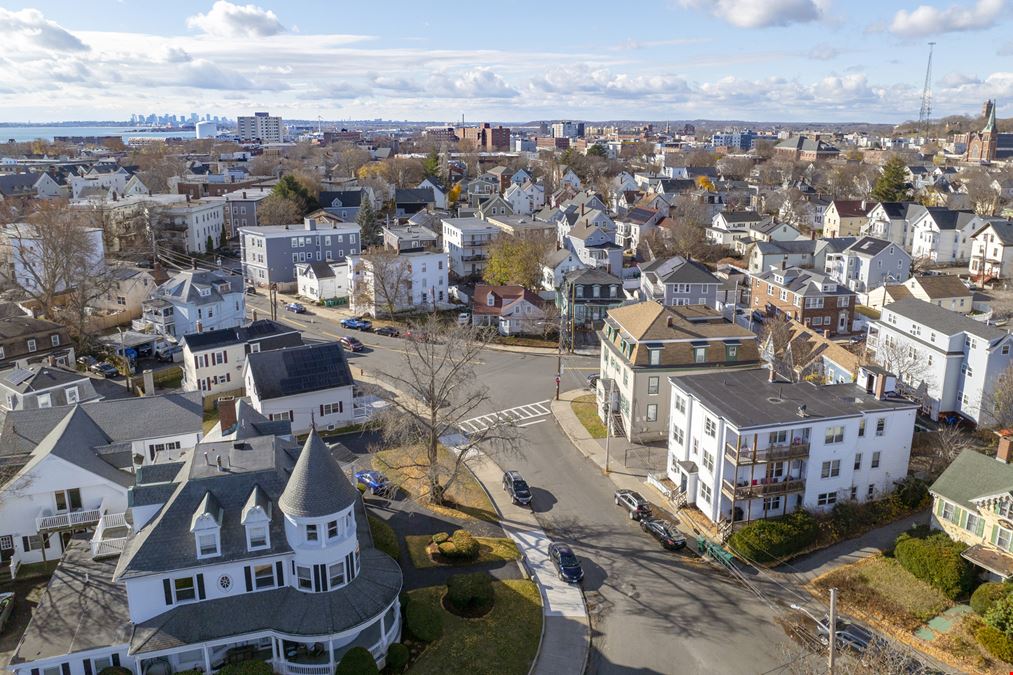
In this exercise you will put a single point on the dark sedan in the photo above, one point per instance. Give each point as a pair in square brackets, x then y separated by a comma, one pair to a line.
[666, 534]
[351, 344]
[567, 566]
[388, 331]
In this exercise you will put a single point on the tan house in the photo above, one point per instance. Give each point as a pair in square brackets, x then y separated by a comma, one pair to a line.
[810, 355]
[946, 291]
[845, 218]
[645, 344]
[973, 503]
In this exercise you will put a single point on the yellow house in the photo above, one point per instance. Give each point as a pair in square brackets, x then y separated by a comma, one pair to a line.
[973, 503]
[845, 218]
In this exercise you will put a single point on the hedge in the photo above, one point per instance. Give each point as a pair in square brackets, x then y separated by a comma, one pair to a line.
[935, 558]
[984, 596]
[384, 537]
[115, 670]
[424, 621]
[248, 667]
[769, 540]
[995, 642]
[357, 661]
[1000, 615]
[470, 592]
[460, 545]
[398, 656]
[440, 537]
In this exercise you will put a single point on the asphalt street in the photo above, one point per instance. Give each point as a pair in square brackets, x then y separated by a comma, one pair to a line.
[651, 611]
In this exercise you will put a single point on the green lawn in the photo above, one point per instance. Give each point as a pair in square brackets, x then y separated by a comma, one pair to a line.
[503, 642]
[586, 410]
[491, 549]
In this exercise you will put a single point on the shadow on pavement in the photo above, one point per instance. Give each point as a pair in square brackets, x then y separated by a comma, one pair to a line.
[542, 500]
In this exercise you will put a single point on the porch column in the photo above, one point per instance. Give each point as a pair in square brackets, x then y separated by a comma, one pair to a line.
[274, 653]
[207, 659]
[330, 655]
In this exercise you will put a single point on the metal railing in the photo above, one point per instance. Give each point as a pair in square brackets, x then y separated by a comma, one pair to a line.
[758, 489]
[774, 453]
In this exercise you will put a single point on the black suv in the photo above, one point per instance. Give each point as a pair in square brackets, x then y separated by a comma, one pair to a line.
[634, 503]
[517, 488]
[666, 534]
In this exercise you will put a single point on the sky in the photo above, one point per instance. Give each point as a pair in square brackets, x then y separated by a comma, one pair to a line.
[757, 60]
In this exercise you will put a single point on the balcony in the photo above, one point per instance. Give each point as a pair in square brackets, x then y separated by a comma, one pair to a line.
[474, 257]
[110, 536]
[48, 521]
[761, 487]
[775, 453]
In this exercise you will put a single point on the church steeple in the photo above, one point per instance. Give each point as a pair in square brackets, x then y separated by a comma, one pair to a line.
[989, 117]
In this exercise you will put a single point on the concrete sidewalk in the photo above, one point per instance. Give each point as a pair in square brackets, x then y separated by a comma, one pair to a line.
[566, 630]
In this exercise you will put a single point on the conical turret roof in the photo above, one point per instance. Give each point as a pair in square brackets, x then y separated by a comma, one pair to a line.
[318, 487]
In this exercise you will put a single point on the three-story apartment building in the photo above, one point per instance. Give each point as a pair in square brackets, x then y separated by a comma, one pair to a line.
[213, 360]
[868, 264]
[678, 281]
[270, 253]
[193, 301]
[466, 241]
[746, 445]
[811, 298]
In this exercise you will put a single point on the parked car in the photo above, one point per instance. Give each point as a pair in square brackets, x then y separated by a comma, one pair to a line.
[86, 361]
[105, 369]
[351, 344]
[517, 488]
[357, 324]
[665, 532]
[567, 566]
[251, 290]
[592, 380]
[464, 318]
[388, 331]
[168, 353]
[634, 503]
[849, 635]
[296, 307]
[374, 481]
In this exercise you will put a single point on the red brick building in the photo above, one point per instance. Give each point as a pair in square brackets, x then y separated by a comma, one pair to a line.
[806, 296]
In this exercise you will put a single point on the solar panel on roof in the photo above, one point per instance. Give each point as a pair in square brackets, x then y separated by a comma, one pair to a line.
[19, 375]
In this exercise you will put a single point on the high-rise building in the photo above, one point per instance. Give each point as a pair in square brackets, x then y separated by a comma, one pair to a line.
[261, 127]
[568, 129]
[486, 137]
[206, 130]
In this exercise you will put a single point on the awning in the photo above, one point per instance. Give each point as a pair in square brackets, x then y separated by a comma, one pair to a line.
[991, 559]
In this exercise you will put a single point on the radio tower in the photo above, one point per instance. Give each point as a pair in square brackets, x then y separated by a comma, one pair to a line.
[925, 113]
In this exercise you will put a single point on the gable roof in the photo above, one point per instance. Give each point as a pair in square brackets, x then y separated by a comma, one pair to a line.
[260, 329]
[943, 320]
[869, 246]
[1002, 228]
[298, 370]
[742, 216]
[941, 286]
[650, 320]
[317, 487]
[345, 198]
[972, 475]
[850, 208]
[503, 297]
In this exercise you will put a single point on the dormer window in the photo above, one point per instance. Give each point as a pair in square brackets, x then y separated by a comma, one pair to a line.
[312, 533]
[208, 545]
[257, 537]
[490, 300]
[206, 527]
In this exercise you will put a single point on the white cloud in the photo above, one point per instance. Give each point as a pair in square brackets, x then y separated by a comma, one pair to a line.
[175, 55]
[928, 20]
[584, 81]
[823, 53]
[30, 28]
[475, 83]
[761, 13]
[229, 20]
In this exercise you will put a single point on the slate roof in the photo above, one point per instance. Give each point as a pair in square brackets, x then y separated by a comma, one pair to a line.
[185, 287]
[943, 320]
[689, 272]
[803, 282]
[640, 216]
[414, 196]
[318, 487]
[297, 370]
[972, 475]
[948, 219]
[782, 247]
[590, 275]
[18, 184]
[742, 216]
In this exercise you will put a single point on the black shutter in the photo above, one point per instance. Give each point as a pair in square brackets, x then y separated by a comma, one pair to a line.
[349, 567]
[316, 578]
[116, 660]
[35, 671]
[26, 544]
[249, 581]
[167, 587]
[65, 668]
[87, 667]
[281, 573]
[200, 587]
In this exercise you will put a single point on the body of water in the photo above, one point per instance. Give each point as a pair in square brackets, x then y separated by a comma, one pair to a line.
[25, 134]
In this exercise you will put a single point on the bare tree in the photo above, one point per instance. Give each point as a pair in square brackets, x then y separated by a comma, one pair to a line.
[948, 442]
[984, 198]
[908, 364]
[382, 282]
[440, 391]
[278, 210]
[349, 158]
[997, 401]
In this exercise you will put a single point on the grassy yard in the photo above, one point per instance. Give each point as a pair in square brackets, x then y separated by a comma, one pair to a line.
[491, 549]
[881, 587]
[405, 467]
[210, 420]
[586, 409]
[503, 642]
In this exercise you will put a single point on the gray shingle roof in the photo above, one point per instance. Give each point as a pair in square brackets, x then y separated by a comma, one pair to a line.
[256, 331]
[943, 320]
[1002, 228]
[297, 370]
[318, 487]
[973, 475]
[869, 246]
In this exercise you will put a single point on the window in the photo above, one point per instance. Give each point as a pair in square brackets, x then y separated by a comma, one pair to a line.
[652, 385]
[45, 400]
[831, 469]
[311, 533]
[974, 523]
[332, 529]
[826, 498]
[680, 404]
[881, 426]
[854, 493]
[699, 354]
[705, 493]
[263, 576]
[771, 503]
[731, 352]
[68, 500]
[1003, 537]
[282, 416]
[696, 445]
[861, 428]
[652, 412]
[678, 435]
[184, 590]
[875, 459]
[31, 345]
[834, 434]
[336, 574]
[72, 395]
[654, 356]
[55, 340]
[858, 461]
[332, 408]
[207, 545]
[708, 461]
[257, 536]
[777, 437]
[709, 426]
[871, 492]
[304, 577]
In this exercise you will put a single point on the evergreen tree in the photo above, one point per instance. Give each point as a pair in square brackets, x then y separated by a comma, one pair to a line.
[431, 164]
[209, 245]
[891, 185]
[366, 219]
[597, 150]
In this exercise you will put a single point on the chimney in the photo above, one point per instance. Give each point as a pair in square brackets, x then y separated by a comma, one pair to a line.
[207, 460]
[880, 386]
[254, 315]
[218, 462]
[244, 194]
[227, 412]
[771, 377]
[200, 327]
[1004, 453]
[812, 235]
[826, 333]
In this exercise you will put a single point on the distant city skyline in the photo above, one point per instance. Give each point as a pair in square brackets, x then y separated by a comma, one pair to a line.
[759, 60]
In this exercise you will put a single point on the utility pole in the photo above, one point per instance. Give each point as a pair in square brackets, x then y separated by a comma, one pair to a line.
[833, 630]
[608, 426]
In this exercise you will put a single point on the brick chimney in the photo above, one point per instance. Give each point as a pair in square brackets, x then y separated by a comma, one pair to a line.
[880, 386]
[227, 412]
[1004, 453]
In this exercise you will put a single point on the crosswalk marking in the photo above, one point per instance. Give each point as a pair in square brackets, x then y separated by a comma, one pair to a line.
[515, 415]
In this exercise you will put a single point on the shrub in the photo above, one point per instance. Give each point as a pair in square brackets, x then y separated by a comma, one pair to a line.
[466, 545]
[912, 493]
[361, 488]
[995, 642]
[398, 656]
[1000, 615]
[357, 661]
[440, 537]
[447, 549]
[935, 559]
[984, 596]
[768, 540]
[470, 592]
[424, 622]
[249, 667]
[384, 537]
[115, 670]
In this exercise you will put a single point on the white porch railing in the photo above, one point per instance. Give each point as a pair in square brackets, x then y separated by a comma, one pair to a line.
[15, 566]
[47, 520]
[303, 669]
[103, 545]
